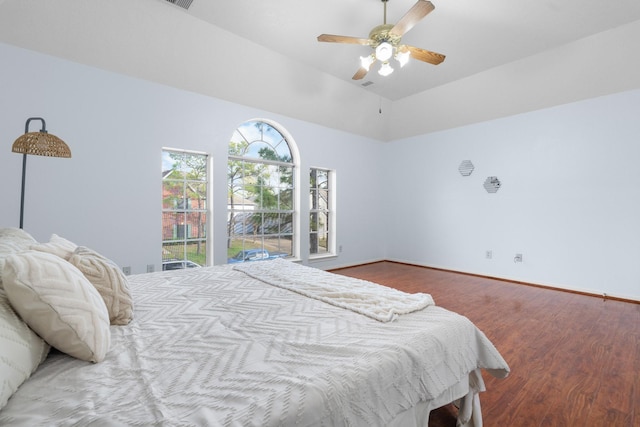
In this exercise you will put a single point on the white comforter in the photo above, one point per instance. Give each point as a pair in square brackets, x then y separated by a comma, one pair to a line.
[216, 347]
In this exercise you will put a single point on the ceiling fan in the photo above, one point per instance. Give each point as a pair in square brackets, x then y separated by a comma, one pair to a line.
[385, 40]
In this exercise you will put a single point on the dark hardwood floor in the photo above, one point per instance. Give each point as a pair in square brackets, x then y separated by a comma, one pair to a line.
[575, 359]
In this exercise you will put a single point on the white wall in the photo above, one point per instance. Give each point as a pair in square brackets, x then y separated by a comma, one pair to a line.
[108, 195]
[569, 200]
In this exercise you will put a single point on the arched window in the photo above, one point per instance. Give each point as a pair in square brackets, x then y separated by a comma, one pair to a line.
[261, 182]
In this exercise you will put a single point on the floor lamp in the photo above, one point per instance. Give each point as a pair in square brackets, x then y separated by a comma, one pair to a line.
[39, 143]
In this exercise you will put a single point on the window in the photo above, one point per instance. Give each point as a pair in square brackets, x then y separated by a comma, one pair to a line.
[184, 208]
[321, 213]
[261, 194]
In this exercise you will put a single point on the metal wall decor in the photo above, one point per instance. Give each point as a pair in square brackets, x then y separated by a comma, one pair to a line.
[465, 168]
[492, 184]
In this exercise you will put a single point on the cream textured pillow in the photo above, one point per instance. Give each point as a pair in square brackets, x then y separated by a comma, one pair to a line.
[58, 303]
[21, 350]
[13, 240]
[57, 246]
[110, 282]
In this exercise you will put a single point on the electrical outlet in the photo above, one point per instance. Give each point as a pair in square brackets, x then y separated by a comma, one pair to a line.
[489, 254]
[517, 258]
[126, 270]
[151, 268]
[340, 249]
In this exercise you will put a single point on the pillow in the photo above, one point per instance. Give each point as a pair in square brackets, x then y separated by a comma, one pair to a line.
[58, 303]
[21, 350]
[16, 236]
[13, 240]
[57, 246]
[109, 280]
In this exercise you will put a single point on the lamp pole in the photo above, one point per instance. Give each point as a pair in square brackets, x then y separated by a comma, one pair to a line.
[24, 165]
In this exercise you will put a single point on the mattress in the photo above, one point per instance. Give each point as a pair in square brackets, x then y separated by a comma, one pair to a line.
[215, 346]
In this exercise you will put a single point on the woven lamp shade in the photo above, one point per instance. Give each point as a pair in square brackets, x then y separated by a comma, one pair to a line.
[41, 144]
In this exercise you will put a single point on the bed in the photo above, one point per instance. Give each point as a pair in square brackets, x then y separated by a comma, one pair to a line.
[269, 343]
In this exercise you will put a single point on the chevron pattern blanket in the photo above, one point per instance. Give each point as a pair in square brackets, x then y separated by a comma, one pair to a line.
[214, 346]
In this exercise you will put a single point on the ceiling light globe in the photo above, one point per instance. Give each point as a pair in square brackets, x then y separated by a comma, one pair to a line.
[403, 58]
[384, 51]
[385, 69]
[366, 61]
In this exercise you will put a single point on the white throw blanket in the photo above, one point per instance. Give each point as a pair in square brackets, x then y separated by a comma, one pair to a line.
[378, 302]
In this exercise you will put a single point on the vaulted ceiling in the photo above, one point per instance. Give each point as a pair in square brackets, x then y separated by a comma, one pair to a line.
[474, 35]
[503, 57]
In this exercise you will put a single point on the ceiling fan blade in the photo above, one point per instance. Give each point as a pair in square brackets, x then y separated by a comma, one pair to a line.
[341, 39]
[425, 55]
[419, 10]
[360, 73]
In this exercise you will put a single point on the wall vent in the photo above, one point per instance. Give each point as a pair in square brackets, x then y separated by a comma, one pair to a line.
[367, 83]
[185, 4]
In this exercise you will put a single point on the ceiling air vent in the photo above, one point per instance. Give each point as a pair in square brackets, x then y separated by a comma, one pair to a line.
[367, 83]
[185, 4]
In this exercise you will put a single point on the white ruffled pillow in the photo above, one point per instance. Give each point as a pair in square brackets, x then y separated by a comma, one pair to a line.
[55, 299]
[13, 240]
[21, 350]
[109, 280]
[57, 246]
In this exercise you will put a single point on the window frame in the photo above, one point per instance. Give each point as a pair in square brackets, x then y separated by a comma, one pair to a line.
[203, 227]
[329, 212]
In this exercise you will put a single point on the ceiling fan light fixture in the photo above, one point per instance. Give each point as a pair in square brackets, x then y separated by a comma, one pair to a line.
[366, 61]
[385, 69]
[384, 51]
[385, 40]
[403, 57]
